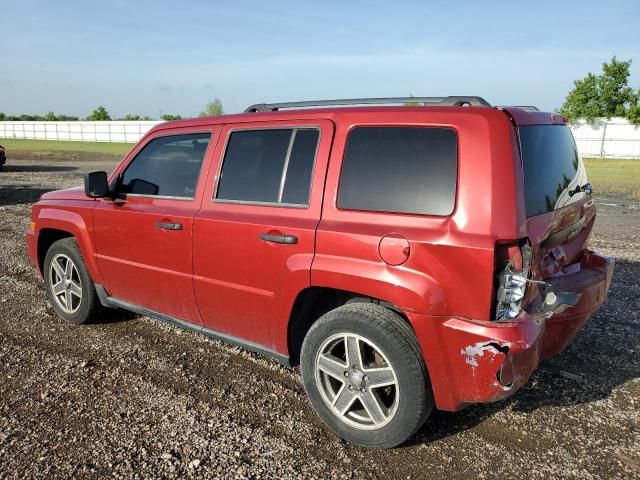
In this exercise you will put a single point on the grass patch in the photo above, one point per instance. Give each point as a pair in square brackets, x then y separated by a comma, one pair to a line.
[614, 177]
[106, 148]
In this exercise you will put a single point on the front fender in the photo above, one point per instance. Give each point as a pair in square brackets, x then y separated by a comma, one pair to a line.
[79, 224]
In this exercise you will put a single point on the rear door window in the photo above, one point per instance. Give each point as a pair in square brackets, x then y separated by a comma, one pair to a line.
[552, 168]
[269, 166]
[400, 170]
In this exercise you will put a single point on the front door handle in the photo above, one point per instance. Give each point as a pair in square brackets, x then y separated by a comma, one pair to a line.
[169, 226]
[279, 238]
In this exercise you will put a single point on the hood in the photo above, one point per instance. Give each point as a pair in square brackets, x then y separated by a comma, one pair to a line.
[76, 193]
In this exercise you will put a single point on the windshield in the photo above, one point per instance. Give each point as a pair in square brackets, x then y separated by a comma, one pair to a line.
[552, 168]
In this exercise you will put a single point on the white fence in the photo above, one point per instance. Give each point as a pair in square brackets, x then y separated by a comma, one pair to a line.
[113, 131]
[614, 138]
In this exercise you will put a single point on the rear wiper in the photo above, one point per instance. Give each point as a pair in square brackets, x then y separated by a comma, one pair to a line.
[586, 188]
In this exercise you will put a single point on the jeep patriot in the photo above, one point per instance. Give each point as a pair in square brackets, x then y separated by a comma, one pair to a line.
[406, 258]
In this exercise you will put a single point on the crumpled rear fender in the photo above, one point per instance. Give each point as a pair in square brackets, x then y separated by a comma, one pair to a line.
[476, 361]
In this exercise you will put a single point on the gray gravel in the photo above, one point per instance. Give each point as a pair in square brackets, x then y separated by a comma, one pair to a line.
[135, 398]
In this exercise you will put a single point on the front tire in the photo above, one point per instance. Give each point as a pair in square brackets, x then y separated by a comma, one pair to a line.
[69, 287]
[364, 374]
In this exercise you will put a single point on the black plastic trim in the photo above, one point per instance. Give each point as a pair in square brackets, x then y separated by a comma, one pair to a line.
[169, 225]
[279, 238]
[112, 302]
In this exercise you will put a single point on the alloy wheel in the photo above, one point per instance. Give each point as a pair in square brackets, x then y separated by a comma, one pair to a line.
[357, 381]
[65, 283]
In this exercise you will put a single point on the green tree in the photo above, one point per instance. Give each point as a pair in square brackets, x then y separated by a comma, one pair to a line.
[633, 115]
[132, 118]
[168, 117]
[212, 109]
[616, 95]
[99, 114]
[603, 96]
[66, 118]
[49, 117]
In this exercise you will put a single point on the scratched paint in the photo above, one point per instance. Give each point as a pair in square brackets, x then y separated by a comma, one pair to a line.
[473, 352]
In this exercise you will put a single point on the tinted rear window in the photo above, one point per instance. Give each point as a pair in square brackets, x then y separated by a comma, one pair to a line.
[552, 168]
[399, 170]
[252, 167]
[269, 166]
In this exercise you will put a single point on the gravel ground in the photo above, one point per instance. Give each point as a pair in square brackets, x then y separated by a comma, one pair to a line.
[135, 398]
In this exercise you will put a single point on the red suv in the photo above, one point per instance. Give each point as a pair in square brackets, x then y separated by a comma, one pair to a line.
[406, 257]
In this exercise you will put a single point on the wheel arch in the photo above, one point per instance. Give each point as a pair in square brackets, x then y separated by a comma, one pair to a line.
[313, 302]
[46, 238]
[55, 224]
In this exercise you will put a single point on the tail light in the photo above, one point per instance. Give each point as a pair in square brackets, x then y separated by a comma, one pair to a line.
[511, 271]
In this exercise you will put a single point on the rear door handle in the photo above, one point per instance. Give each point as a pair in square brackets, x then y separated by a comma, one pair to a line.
[279, 238]
[169, 226]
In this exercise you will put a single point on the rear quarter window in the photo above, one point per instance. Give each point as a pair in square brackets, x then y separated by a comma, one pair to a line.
[399, 170]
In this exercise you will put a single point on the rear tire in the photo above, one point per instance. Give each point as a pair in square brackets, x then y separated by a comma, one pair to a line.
[70, 290]
[363, 372]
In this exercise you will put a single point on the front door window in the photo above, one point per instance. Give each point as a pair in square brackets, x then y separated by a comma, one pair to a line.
[167, 166]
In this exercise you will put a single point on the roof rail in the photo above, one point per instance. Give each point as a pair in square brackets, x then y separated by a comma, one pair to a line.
[436, 101]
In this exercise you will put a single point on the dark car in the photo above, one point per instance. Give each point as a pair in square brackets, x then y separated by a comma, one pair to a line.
[406, 257]
[3, 156]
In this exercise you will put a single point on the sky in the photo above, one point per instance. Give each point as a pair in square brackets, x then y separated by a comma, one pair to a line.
[153, 57]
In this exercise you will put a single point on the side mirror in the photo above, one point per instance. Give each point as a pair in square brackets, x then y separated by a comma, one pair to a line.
[96, 185]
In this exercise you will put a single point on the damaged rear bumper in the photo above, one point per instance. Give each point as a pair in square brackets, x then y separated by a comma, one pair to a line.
[477, 361]
[473, 361]
[592, 281]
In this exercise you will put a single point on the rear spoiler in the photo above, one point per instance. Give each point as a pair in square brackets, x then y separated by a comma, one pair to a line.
[528, 116]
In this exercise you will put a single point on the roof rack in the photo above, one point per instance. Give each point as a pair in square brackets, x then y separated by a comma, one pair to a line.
[436, 101]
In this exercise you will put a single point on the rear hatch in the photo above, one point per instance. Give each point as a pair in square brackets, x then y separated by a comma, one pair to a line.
[560, 215]
[559, 208]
